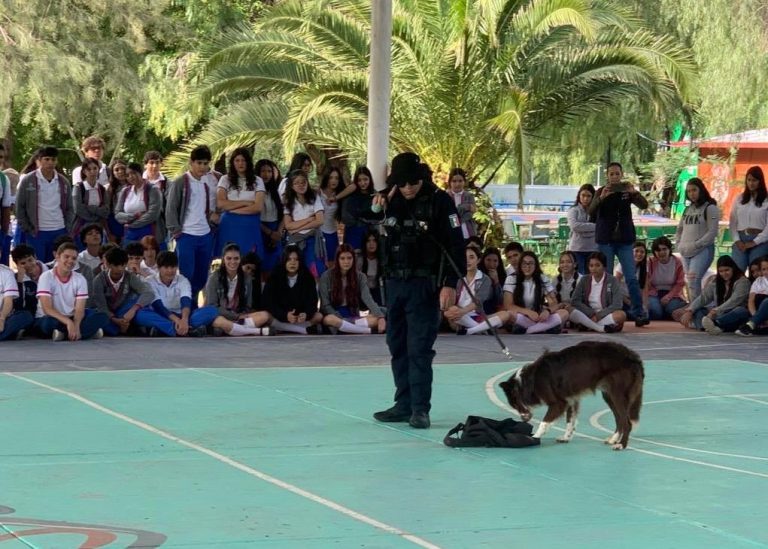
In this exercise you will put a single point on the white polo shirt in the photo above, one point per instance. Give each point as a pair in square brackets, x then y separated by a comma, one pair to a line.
[134, 201]
[92, 196]
[305, 211]
[50, 216]
[595, 294]
[5, 191]
[529, 289]
[195, 220]
[8, 285]
[171, 295]
[102, 179]
[91, 261]
[759, 286]
[241, 193]
[63, 293]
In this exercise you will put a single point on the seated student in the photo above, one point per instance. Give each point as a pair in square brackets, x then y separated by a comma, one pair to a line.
[465, 317]
[29, 269]
[754, 270]
[89, 198]
[666, 281]
[567, 278]
[121, 295]
[492, 265]
[172, 308]
[512, 252]
[721, 306]
[135, 256]
[91, 236]
[530, 299]
[13, 322]
[290, 295]
[148, 266]
[232, 290]
[79, 267]
[757, 303]
[102, 252]
[596, 302]
[62, 294]
[640, 256]
[344, 292]
[370, 267]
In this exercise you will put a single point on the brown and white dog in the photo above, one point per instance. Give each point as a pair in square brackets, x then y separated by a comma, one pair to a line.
[559, 379]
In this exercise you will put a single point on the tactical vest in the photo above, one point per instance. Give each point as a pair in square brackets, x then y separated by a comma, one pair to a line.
[409, 248]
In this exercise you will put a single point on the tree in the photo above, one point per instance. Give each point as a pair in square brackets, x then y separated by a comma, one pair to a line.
[472, 82]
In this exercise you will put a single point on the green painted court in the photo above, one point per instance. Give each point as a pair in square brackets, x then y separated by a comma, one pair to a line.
[290, 457]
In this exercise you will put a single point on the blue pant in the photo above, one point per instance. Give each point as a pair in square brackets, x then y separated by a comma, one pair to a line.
[91, 323]
[743, 259]
[195, 254]
[331, 245]
[695, 268]
[412, 322]
[204, 316]
[733, 319]
[6, 253]
[582, 262]
[353, 235]
[316, 265]
[43, 243]
[627, 261]
[17, 321]
[761, 314]
[272, 250]
[657, 311]
[135, 235]
[141, 317]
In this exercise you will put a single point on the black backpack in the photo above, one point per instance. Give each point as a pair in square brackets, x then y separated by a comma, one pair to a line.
[491, 433]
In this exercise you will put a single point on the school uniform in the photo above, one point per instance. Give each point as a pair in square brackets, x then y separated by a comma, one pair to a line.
[64, 294]
[242, 229]
[330, 226]
[749, 223]
[171, 299]
[102, 179]
[6, 201]
[139, 212]
[91, 205]
[271, 215]
[115, 299]
[312, 250]
[27, 289]
[17, 320]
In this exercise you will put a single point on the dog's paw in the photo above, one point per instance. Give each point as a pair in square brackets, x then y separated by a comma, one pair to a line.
[563, 440]
[613, 439]
[618, 446]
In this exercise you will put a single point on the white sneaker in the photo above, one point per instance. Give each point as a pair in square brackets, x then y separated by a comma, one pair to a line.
[58, 335]
[710, 327]
[99, 334]
[267, 331]
[20, 334]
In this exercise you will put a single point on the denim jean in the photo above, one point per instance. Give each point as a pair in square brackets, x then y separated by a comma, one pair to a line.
[743, 259]
[91, 323]
[695, 268]
[627, 261]
[582, 261]
[659, 311]
[733, 319]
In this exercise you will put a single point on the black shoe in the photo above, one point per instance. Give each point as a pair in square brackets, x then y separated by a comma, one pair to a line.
[419, 420]
[392, 415]
[746, 330]
[642, 321]
[610, 328]
[200, 331]
[462, 331]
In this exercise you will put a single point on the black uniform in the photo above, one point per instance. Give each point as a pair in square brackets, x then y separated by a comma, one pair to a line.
[420, 232]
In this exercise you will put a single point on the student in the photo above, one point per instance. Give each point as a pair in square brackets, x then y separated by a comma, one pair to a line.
[291, 295]
[464, 200]
[722, 304]
[118, 180]
[492, 265]
[188, 215]
[303, 219]
[512, 253]
[80, 268]
[371, 267]
[757, 303]
[356, 210]
[153, 161]
[135, 252]
[93, 149]
[13, 322]
[139, 208]
[530, 299]
[271, 216]
[300, 162]
[62, 294]
[148, 266]
[596, 301]
[582, 241]
[6, 201]
[749, 220]
[465, 316]
[43, 207]
[696, 234]
[232, 291]
[666, 281]
[240, 195]
[567, 278]
[332, 193]
[91, 235]
[172, 308]
[29, 269]
[121, 295]
[640, 258]
[102, 252]
[754, 270]
[89, 199]
[344, 292]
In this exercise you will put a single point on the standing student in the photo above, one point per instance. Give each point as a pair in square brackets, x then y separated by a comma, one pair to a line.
[596, 301]
[13, 321]
[92, 236]
[118, 180]
[62, 294]
[93, 149]
[29, 269]
[666, 281]
[582, 241]
[332, 193]
[303, 218]
[757, 304]
[344, 293]
[290, 295]
[121, 295]
[300, 162]
[464, 201]
[89, 199]
[43, 206]
[6, 202]
[153, 161]
[188, 214]
[271, 216]
[235, 293]
[696, 234]
[640, 257]
[172, 313]
[615, 230]
[749, 220]
[139, 208]
[240, 196]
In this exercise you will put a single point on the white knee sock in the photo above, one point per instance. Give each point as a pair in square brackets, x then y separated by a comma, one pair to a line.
[350, 328]
[607, 320]
[523, 321]
[249, 322]
[239, 330]
[577, 317]
[361, 322]
[482, 326]
[300, 328]
[467, 322]
[543, 326]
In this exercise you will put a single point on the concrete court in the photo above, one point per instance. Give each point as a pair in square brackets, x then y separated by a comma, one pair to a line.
[268, 442]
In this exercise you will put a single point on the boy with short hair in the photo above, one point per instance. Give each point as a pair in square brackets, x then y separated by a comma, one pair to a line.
[91, 236]
[62, 294]
[12, 322]
[29, 269]
[135, 253]
[92, 147]
[512, 253]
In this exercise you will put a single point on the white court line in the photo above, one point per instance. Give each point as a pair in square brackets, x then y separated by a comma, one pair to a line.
[237, 465]
[747, 397]
[491, 393]
[688, 347]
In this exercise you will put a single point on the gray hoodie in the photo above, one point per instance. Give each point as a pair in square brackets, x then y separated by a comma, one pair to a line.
[696, 231]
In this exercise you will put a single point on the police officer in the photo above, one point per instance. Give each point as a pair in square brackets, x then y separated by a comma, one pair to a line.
[422, 225]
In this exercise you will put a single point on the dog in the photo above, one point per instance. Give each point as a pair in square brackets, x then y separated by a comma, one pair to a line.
[559, 379]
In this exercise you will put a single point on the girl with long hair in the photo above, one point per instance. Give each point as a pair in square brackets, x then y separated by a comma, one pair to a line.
[596, 301]
[566, 280]
[240, 195]
[582, 241]
[301, 162]
[332, 191]
[530, 299]
[666, 281]
[696, 234]
[90, 200]
[290, 295]
[356, 210]
[344, 293]
[271, 216]
[492, 265]
[139, 208]
[303, 217]
[371, 267]
[118, 180]
[640, 258]
[464, 201]
[749, 220]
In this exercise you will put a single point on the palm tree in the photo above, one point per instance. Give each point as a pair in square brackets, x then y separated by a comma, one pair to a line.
[473, 83]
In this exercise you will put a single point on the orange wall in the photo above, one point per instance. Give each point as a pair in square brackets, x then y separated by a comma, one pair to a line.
[725, 187]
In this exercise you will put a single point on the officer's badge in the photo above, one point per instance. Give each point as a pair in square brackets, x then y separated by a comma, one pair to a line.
[454, 219]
